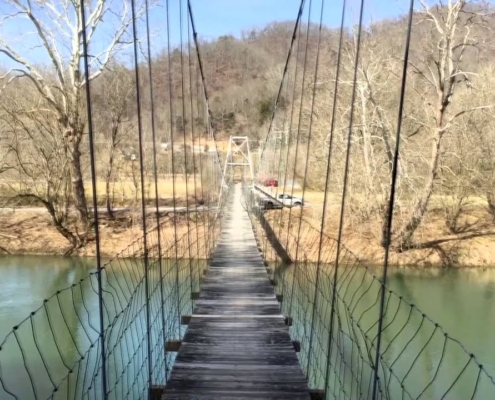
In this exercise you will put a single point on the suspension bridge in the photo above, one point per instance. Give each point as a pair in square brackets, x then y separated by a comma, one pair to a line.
[231, 299]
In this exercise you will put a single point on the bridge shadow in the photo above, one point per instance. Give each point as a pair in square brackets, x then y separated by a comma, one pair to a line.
[437, 242]
[273, 239]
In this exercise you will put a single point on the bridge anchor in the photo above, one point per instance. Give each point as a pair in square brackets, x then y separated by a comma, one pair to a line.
[317, 394]
[194, 295]
[173, 345]
[156, 392]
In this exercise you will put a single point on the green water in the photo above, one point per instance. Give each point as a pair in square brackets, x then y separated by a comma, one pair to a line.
[49, 310]
[419, 360]
[461, 301]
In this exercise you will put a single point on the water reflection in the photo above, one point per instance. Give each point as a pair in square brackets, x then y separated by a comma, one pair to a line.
[418, 361]
[56, 351]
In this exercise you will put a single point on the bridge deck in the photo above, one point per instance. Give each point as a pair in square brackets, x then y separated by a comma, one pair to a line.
[237, 345]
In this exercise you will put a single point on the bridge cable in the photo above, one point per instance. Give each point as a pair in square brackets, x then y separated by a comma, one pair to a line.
[174, 192]
[203, 79]
[277, 99]
[289, 115]
[327, 181]
[143, 193]
[281, 150]
[298, 137]
[104, 371]
[155, 176]
[346, 172]
[218, 175]
[308, 147]
[206, 220]
[347, 162]
[289, 141]
[184, 123]
[193, 119]
[391, 200]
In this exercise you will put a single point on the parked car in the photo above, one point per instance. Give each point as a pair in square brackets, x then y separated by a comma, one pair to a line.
[271, 183]
[290, 201]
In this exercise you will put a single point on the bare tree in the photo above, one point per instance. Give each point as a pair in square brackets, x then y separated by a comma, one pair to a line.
[57, 28]
[440, 74]
[40, 161]
[116, 90]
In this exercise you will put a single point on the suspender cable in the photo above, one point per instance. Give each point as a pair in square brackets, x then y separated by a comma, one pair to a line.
[205, 214]
[298, 139]
[308, 147]
[192, 140]
[104, 381]
[346, 173]
[174, 200]
[391, 200]
[289, 129]
[201, 70]
[279, 171]
[277, 99]
[325, 199]
[184, 122]
[155, 173]
[289, 143]
[143, 193]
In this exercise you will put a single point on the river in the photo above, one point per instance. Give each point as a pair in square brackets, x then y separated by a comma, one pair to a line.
[461, 301]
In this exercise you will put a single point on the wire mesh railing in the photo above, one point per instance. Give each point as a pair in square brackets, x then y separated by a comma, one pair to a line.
[331, 152]
[418, 360]
[107, 336]
[55, 351]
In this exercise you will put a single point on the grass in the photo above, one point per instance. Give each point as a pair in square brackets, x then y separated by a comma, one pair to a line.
[125, 190]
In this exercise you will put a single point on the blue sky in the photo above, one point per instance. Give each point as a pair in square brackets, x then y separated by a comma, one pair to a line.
[213, 18]
[220, 17]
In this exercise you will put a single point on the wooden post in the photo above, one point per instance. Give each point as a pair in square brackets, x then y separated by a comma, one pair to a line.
[317, 394]
[297, 345]
[194, 295]
[156, 392]
[173, 345]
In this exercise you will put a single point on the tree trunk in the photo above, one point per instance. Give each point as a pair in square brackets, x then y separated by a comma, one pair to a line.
[77, 181]
[58, 223]
[421, 205]
[107, 185]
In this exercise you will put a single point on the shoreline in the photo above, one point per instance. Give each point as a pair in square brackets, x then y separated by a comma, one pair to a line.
[372, 266]
[25, 233]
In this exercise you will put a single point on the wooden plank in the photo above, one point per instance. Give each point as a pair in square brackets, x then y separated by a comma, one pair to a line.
[237, 345]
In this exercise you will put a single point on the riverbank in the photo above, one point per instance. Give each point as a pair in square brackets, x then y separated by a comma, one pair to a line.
[472, 247]
[29, 232]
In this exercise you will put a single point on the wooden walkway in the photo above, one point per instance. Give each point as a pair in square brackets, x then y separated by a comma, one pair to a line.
[237, 345]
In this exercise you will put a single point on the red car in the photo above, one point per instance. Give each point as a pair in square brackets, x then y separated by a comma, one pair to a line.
[271, 183]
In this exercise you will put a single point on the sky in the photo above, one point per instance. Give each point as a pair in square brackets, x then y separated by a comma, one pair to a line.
[220, 17]
[213, 18]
